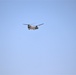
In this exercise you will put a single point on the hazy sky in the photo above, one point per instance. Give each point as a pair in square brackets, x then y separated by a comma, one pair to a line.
[50, 50]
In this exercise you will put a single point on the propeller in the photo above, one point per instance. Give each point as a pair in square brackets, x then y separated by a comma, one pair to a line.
[25, 24]
[40, 24]
[36, 25]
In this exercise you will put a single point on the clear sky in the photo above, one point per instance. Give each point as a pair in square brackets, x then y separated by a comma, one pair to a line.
[50, 50]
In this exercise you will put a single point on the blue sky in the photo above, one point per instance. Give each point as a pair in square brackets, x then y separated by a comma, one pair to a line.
[50, 50]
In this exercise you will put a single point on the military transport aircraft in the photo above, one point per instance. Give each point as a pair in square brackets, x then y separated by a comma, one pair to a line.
[33, 27]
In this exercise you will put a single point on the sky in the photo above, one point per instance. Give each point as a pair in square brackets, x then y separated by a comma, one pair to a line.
[50, 50]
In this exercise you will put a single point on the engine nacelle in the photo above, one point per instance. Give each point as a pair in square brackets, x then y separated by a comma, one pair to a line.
[36, 27]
